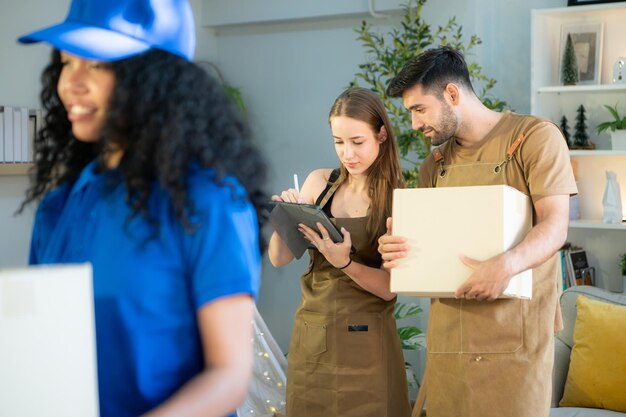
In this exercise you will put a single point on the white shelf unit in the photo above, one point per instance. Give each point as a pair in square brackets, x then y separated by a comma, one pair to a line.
[595, 152]
[15, 168]
[570, 89]
[596, 224]
[603, 242]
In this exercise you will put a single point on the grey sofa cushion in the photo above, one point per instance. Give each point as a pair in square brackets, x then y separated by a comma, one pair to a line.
[559, 374]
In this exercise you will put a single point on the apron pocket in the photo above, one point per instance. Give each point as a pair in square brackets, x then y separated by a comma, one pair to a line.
[359, 341]
[462, 326]
[314, 338]
[494, 327]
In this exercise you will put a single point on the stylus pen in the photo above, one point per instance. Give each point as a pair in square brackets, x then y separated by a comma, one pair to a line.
[295, 183]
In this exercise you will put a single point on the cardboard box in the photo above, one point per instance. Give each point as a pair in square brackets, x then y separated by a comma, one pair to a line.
[443, 223]
[48, 364]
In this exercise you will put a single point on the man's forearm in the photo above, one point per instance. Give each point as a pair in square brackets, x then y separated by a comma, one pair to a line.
[544, 239]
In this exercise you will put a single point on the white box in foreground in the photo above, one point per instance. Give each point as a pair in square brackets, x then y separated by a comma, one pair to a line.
[48, 342]
[443, 223]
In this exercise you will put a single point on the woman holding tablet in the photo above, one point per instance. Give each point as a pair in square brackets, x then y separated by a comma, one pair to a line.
[345, 357]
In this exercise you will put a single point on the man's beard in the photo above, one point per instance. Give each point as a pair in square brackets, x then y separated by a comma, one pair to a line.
[448, 125]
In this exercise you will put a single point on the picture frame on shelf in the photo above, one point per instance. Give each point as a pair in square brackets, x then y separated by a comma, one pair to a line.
[586, 2]
[587, 39]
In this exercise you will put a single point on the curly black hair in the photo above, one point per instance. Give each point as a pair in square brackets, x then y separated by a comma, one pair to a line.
[167, 114]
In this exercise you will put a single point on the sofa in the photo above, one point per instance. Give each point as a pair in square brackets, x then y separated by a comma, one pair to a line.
[563, 347]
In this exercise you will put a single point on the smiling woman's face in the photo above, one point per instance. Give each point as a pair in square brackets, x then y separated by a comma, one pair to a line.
[85, 89]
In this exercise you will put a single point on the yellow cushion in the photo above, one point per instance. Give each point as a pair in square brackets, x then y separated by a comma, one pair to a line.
[597, 369]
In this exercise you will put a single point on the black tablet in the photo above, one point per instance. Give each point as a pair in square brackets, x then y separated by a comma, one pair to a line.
[285, 218]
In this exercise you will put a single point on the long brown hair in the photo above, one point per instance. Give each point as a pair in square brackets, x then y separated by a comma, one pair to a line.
[385, 174]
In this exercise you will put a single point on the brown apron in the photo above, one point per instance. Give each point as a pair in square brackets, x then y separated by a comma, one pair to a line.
[345, 357]
[490, 358]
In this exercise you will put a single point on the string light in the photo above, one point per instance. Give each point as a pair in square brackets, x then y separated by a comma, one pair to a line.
[267, 393]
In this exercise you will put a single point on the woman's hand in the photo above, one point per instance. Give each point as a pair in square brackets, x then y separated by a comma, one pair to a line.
[278, 252]
[289, 196]
[373, 280]
[338, 254]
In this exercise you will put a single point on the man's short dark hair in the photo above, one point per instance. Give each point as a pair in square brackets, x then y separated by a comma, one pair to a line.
[433, 70]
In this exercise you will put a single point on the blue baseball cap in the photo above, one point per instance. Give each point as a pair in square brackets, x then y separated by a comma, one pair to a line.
[110, 30]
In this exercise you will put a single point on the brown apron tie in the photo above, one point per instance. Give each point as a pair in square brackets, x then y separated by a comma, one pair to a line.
[510, 152]
[439, 160]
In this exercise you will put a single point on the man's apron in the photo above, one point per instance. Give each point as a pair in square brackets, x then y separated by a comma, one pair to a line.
[345, 357]
[490, 358]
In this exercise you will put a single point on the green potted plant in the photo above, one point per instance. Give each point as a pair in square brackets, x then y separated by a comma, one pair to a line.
[617, 126]
[386, 55]
[411, 337]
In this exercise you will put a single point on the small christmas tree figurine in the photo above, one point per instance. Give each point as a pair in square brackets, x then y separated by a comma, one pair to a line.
[565, 130]
[569, 65]
[581, 139]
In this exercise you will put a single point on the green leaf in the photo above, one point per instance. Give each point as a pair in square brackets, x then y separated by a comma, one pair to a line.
[411, 338]
[618, 123]
[236, 97]
[605, 126]
[613, 112]
[406, 310]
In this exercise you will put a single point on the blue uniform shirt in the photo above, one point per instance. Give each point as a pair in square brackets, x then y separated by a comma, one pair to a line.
[148, 287]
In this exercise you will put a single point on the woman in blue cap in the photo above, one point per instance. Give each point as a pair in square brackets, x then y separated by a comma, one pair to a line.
[145, 170]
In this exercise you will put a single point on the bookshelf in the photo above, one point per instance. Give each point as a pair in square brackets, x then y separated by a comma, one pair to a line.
[602, 242]
[596, 224]
[15, 169]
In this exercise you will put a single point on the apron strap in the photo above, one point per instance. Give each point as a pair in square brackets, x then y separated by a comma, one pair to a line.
[515, 145]
[510, 152]
[330, 191]
[439, 160]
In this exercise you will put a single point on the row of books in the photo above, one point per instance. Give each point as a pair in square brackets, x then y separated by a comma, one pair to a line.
[17, 131]
[574, 268]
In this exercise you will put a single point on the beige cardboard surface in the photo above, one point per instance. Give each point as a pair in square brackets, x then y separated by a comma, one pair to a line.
[443, 223]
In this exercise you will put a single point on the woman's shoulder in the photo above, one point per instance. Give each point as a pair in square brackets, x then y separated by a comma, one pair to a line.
[207, 187]
[55, 198]
[321, 175]
[315, 183]
[52, 205]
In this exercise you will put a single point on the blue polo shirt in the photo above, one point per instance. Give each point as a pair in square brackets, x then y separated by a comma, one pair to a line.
[149, 283]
